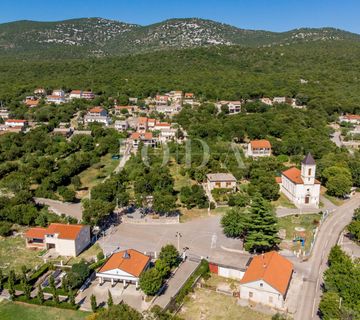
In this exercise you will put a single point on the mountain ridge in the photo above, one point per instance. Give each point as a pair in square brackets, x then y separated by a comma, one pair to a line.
[87, 37]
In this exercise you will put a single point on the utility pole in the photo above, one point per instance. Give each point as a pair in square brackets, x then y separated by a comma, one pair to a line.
[178, 235]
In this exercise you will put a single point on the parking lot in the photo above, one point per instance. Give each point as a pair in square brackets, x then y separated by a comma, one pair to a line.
[202, 237]
[128, 294]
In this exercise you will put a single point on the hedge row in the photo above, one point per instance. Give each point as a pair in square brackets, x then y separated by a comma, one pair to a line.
[48, 303]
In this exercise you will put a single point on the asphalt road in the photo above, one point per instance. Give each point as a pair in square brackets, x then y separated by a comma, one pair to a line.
[314, 268]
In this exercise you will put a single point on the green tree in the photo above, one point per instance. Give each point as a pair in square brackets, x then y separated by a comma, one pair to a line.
[169, 255]
[55, 297]
[26, 288]
[162, 267]
[72, 297]
[164, 202]
[339, 185]
[40, 294]
[262, 228]
[329, 306]
[151, 281]
[11, 284]
[235, 223]
[118, 312]
[93, 303]
[110, 301]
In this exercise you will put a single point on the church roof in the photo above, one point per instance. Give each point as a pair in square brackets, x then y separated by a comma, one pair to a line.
[308, 160]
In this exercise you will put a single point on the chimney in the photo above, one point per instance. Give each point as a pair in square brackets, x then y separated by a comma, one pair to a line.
[126, 255]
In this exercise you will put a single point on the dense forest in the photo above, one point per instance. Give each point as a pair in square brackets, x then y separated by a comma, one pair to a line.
[330, 70]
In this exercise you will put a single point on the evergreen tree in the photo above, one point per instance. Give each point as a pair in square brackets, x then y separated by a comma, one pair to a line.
[56, 297]
[71, 297]
[262, 228]
[93, 303]
[40, 294]
[110, 301]
[26, 288]
[11, 284]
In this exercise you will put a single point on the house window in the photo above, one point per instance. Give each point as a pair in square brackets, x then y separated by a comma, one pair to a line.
[309, 172]
[250, 294]
[261, 284]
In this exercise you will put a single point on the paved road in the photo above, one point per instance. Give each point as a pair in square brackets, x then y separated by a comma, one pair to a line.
[58, 207]
[124, 159]
[313, 269]
[176, 282]
[336, 138]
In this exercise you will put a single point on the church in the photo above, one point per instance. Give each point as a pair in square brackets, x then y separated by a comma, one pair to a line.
[300, 186]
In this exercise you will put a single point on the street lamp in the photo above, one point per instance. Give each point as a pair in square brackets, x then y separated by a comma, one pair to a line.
[178, 235]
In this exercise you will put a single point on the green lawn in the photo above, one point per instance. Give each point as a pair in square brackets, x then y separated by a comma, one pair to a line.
[283, 202]
[15, 311]
[306, 221]
[209, 305]
[88, 255]
[334, 200]
[14, 254]
[187, 215]
[97, 172]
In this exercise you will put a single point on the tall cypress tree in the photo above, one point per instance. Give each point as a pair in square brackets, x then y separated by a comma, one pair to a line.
[262, 227]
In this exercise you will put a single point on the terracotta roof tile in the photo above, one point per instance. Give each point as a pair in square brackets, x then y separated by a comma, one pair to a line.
[293, 174]
[260, 144]
[134, 264]
[36, 233]
[272, 268]
[64, 231]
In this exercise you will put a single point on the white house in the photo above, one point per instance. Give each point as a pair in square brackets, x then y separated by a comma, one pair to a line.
[300, 186]
[88, 95]
[66, 239]
[16, 123]
[175, 96]
[220, 180]
[145, 137]
[234, 107]
[56, 99]
[350, 118]
[4, 113]
[124, 266]
[266, 280]
[75, 94]
[161, 100]
[121, 125]
[266, 101]
[259, 148]
[168, 109]
[97, 114]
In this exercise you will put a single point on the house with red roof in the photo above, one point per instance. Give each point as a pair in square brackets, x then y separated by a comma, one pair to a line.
[146, 138]
[97, 114]
[124, 266]
[300, 186]
[267, 279]
[259, 148]
[75, 94]
[65, 239]
[350, 118]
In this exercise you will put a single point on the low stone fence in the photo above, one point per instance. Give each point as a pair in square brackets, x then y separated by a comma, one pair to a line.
[149, 220]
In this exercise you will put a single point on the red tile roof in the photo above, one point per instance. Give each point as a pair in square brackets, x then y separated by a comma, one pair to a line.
[75, 92]
[134, 264]
[96, 110]
[293, 174]
[352, 117]
[260, 144]
[272, 268]
[64, 231]
[36, 233]
[15, 120]
[278, 179]
[135, 135]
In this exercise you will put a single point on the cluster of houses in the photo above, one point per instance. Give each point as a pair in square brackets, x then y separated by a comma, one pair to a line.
[14, 125]
[266, 279]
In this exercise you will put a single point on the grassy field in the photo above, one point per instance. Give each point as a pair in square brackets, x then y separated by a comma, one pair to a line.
[14, 254]
[187, 215]
[88, 254]
[209, 305]
[306, 221]
[96, 173]
[15, 311]
[179, 180]
[283, 202]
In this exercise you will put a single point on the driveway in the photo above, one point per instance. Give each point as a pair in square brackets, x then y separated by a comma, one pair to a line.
[58, 207]
[128, 294]
[202, 237]
[176, 282]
